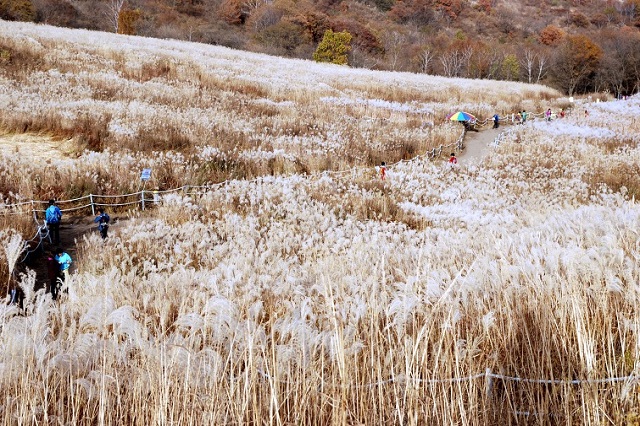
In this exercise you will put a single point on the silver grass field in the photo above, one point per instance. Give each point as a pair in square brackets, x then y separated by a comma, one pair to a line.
[306, 291]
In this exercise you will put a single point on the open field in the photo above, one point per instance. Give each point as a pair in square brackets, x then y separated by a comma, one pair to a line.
[318, 298]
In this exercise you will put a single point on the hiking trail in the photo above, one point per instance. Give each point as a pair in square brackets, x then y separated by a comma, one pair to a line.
[72, 229]
[478, 144]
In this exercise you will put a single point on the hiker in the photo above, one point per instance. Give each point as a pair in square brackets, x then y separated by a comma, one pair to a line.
[562, 113]
[52, 216]
[103, 221]
[524, 116]
[548, 114]
[586, 113]
[53, 273]
[496, 121]
[383, 170]
[453, 161]
[64, 262]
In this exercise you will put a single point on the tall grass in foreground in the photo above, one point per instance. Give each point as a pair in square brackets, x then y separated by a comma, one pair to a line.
[285, 311]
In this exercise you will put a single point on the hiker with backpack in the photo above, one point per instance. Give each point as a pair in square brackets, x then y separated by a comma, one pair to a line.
[103, 222]
[53, 215]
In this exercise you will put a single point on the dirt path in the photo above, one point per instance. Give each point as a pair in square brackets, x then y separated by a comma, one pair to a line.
[72, 229]
[478, 144]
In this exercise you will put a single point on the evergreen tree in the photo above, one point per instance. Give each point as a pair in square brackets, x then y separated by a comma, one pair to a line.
[333, 48]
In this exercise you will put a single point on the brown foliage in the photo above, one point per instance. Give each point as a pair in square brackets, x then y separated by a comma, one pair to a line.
[579, 20]
[17, 10]
[128, 21]
[190, 7]
[314, 23]
[419, 12]
[231, 12]
[56, 12]
[451, 8]
[362, 36]
[551, 35]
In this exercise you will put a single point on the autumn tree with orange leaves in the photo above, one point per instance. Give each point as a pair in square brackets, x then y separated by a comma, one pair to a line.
[576, 62]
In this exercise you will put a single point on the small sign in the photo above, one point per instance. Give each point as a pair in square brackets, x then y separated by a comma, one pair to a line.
[146, 174]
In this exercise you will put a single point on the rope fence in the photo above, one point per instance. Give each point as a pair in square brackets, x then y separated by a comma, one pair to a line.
[147, 197]
[488, 376]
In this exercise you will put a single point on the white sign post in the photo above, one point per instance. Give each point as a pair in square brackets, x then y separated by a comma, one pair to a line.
[144, 177]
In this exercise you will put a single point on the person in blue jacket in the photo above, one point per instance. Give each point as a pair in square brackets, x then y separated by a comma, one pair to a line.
[64, 262]
[103, 222]
[496, 121]
[52, 216]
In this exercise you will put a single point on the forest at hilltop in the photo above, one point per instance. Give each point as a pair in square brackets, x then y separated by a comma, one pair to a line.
[577, 46]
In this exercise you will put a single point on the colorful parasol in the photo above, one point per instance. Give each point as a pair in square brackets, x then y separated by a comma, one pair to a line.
[460, 116]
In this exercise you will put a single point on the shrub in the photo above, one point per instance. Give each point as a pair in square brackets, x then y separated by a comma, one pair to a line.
[128, 20]
[17, 10]
[333, 48]
[551, 35]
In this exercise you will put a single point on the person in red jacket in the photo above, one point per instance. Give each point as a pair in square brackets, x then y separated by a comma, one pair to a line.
[383, 170]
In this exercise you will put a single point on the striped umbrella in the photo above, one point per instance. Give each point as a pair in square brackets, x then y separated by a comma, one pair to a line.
[460, 116]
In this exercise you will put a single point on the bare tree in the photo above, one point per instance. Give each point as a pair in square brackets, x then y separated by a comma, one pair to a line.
[451, 63]
[393, 43]
[248, 6]
[426, 57]
[534, 65]
[113, 12]
[466, 56]
[542, 67]
[527, 61]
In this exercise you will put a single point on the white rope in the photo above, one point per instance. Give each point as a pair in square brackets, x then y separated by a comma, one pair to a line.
[113, 204]
[403, 379]
[116, 196]
[67, 201]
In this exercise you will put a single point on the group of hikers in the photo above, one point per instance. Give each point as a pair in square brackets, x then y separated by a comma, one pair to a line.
[521, 117]
[58, 260]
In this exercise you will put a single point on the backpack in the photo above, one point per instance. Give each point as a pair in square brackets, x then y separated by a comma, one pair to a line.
[51, 215]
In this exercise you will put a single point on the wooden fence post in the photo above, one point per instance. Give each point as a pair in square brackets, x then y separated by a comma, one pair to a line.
[142, 199]
[93, 208]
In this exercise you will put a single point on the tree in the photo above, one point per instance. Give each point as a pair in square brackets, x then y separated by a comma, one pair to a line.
[17, 10]
[314, 24]
[534, 65]
[454, 61]
[419, 12]
[551, 35]
[617, 69]
[128, 20]
[426, 58]
[231, 12]
[113, 13]
[450, 8]
[576, 63]
[59, 13]
[393, 46]
[333, 48]
[283, 35]
[510, 67]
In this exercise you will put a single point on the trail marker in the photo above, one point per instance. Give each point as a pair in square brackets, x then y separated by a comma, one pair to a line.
[146, 175]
